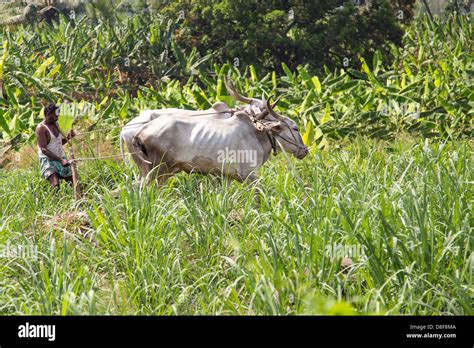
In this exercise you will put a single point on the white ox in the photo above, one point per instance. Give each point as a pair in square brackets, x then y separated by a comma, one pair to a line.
[173, 143]
[218, 110]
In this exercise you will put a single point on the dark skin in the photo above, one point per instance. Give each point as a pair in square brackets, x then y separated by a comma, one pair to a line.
[43, 138]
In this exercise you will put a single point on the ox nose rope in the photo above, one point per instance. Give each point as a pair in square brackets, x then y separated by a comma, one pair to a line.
[288, 141]
[272, 137]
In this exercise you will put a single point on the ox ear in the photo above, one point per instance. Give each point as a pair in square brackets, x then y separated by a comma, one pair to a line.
[274, 126]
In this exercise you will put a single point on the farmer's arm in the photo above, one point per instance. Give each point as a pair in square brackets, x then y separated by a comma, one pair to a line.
[69, 136]
[42, 140]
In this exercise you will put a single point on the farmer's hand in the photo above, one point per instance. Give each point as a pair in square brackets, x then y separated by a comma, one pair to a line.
[71, 134]
[65, 162]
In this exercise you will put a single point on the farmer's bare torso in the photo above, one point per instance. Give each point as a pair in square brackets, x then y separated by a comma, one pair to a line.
[52, 127]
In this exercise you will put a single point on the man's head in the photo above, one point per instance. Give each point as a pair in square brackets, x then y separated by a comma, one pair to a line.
[51, 113]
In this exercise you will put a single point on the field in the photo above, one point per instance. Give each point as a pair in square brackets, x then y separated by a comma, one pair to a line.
[388, 183]
[200, 247]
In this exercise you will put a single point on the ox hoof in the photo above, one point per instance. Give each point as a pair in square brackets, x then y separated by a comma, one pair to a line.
[346, 264]
[116, 193]
[235, 216]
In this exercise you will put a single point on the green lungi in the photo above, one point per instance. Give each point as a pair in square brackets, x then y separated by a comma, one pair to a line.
[49, 167]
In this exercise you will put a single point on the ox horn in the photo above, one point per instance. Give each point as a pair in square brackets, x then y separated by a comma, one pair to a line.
[265, 112]
[229, 85]
[272, 112]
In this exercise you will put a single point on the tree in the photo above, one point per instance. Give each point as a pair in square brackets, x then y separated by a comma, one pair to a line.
[101, 9]
[460, 6]
[268, 33]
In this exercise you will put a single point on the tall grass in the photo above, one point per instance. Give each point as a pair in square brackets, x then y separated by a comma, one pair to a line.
[200, 246]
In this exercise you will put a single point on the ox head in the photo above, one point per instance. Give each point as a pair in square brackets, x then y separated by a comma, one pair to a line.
[284, 129]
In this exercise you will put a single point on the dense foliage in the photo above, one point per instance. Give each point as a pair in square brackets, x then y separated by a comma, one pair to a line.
[118, 69]
[260, 33]
[268, 33]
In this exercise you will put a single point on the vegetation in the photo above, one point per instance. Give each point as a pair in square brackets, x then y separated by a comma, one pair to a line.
[263, 34]
[267, 34]
[197, 246]
[389, 172]
[136, 64]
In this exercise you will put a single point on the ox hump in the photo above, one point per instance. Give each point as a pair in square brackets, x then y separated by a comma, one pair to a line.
[221, 107]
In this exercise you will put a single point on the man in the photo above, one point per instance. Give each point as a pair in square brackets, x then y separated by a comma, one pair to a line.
[54, 165]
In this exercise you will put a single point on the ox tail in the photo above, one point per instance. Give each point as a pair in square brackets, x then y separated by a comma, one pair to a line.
[125, 160]
[137, 144]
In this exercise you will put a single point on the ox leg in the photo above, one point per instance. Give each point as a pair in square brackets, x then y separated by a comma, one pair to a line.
[252, 180]
[168, 172]
[144, 168]
[163, 177]
[145, 173]
[159, 174]
[225, 180]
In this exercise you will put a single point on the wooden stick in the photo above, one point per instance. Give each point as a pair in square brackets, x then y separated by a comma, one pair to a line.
[428, 10]
[75, 175]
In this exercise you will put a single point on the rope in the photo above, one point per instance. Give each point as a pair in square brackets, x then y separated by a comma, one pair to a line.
[103, 157]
